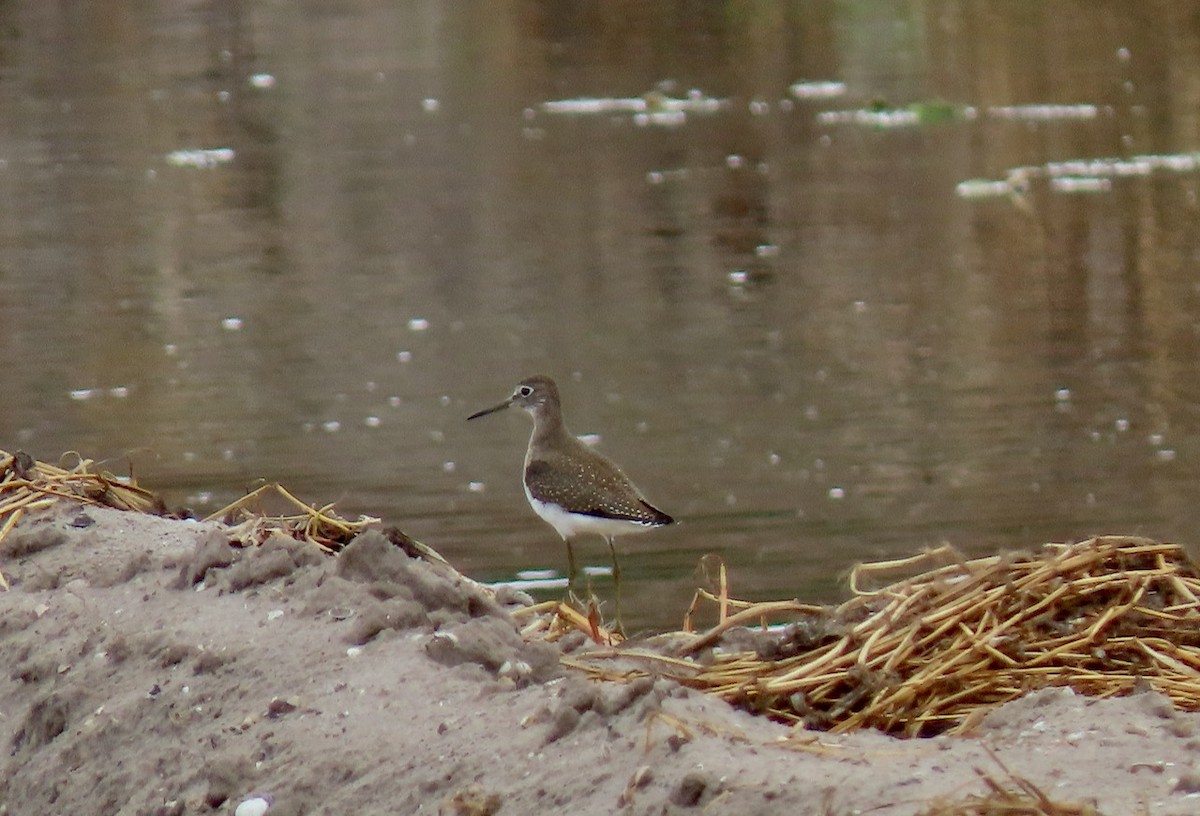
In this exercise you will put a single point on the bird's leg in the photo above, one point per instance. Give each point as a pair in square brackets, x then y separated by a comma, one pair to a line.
[620, 628]
[572, 570]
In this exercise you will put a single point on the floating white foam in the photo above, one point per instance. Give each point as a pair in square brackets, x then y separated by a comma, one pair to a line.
[827, 89]
[205, 159]
[898, 117]
[1044, 113]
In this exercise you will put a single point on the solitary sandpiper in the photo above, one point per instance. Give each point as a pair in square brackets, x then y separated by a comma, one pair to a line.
[572, 487]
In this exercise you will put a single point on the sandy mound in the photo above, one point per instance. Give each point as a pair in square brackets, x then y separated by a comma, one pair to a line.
[152, 668]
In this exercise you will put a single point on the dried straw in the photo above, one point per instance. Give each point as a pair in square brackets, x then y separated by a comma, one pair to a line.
[26, 485]
[252, 523]
[935, 652]
[1011, 796]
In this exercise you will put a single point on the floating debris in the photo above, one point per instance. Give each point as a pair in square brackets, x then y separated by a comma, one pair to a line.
[1080, 175]
[536, 574]
[551, 581]
[652, 108]
[881, 115]
[1044, 113]
[1080, 184]
[660, 118]
[899, 117]
[827, 89]
[983, 188]
[204, 159]
[594, 105]
[1100, 167]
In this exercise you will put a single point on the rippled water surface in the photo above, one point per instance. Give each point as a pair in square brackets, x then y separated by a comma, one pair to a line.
[833, 281]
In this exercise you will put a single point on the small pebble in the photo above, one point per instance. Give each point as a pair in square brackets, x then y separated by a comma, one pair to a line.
[254, 806]
[1189, 782]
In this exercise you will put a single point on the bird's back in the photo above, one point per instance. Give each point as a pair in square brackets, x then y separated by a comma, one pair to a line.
[584, 482]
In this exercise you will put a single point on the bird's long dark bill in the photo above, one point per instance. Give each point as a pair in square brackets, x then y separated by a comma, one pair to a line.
[491, 410]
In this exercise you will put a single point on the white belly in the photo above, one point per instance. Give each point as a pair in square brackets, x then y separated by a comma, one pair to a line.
[569, 525]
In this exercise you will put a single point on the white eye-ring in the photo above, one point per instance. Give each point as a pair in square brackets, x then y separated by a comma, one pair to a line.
[525, 390]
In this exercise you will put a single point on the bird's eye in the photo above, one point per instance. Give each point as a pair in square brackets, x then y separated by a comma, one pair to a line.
[524, 390]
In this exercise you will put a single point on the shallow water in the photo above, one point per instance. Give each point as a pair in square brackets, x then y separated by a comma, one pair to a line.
[831, 281]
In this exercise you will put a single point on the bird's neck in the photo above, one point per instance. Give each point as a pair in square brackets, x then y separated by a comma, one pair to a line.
[548, 430]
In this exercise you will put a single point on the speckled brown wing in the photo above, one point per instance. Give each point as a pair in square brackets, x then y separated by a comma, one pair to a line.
[592, 487]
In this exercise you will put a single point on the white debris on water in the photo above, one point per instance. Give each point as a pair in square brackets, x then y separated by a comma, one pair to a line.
[660, 118]
[536, 574]
[653, 108]
[894, 118]
[1080, 184]
[202, 158]
[1044, 113]
[982, 188]
[1093, 175]
[827, 89]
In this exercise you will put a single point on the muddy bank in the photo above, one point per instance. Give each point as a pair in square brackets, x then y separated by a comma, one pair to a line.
[149, 667]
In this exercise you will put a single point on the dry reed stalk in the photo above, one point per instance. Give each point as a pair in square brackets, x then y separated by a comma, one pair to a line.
[1012, 796]
[551, 620]
[26, 480]
[936, 651]
[26, 485]
[321, 527]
